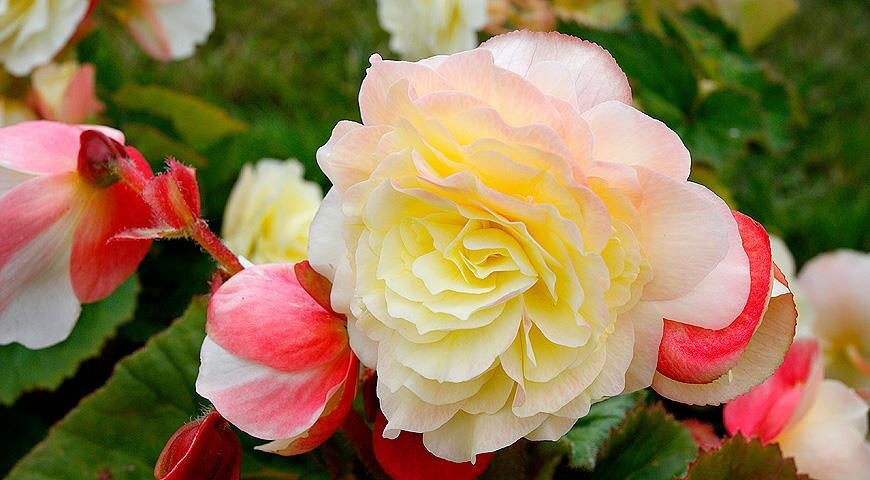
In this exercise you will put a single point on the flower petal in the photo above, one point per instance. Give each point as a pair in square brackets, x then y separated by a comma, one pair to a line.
[592, 75]
[263, 314]
[693, 354]
[758, 362]
[623, 134]
[44, 147]
[37, 305]
[265, 402]
[100, 262]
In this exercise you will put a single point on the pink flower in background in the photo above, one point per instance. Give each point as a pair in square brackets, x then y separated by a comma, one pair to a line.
[276, 363]
[65, 92]
[821, 423]
[507, 236]
[60, 209]
[837, 285]
[170, 29]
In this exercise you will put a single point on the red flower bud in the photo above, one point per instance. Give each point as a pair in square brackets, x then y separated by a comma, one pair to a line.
[204, 449]
[174, 196]
[98, 157]
[406, 458]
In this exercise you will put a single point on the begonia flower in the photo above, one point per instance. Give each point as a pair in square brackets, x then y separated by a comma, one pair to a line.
[269, 212]
[822, 424]
[421, 28]
[507, 235]
[169, 29]
[65, 92]
[276, 363]
[33, 32]
[61, 207]
[836, 285]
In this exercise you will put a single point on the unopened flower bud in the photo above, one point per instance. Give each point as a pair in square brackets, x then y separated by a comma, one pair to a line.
[204, 449]
[98, 155]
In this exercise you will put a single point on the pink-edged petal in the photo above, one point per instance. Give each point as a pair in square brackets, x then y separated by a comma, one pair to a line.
[264, 402]
[333, 416]
[37, 305]
[39, 147]
[682, 233]
[100, 261]
[765, 410]
[577, 71]
[692, 354]
[829, 442]
[263, 314]
[382, 75]
[622, 134]
[760, 359]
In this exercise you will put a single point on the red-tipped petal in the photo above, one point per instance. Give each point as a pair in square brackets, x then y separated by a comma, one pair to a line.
[691, 354]
[318, 286]
[264, 315]
[333, 417]
[405, 458]
[100, 260]
[205, 449]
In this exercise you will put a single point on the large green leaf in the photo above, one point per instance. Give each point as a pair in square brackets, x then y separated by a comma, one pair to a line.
[199, 123]
[649, 445]
[591, 432]
[23, 370]
[739, 458]
[119, 431]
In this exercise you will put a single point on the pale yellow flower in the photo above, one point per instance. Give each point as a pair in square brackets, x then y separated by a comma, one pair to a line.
[421, 28]
[269, 212]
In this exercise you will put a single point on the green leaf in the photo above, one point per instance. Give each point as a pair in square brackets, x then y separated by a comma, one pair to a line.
[155, 146]
[200, 124]
[591, 432]
[649, 445]
[25, 370]
[722, 127]
[739, 458]
[119, 430]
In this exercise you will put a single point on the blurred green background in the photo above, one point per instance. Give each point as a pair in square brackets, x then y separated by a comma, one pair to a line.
[781, 132]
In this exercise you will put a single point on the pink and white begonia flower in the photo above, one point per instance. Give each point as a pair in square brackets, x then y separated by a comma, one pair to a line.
[836, 284]
[507, 235]
[170, 29]
[33, 32]
[821, 423]
[276, 363]
[65, 92]
[60, 213]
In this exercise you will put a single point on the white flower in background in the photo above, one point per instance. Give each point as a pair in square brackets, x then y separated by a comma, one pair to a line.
[783, 258]
[170, 29]
[32, 32]
[269, 212]
[422, 28]
[836, 283]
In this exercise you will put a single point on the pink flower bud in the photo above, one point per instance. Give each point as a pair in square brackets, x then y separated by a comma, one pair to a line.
[65, 92]
[174, 196]
[97, 158]
[276, 362]
[204, 449]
